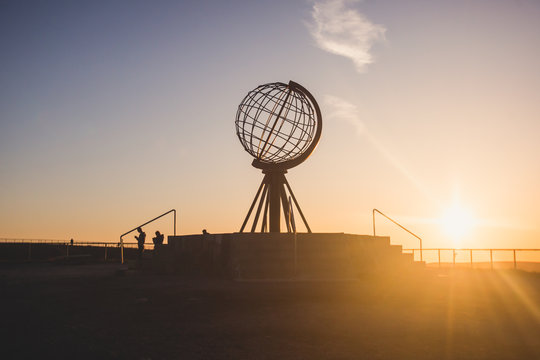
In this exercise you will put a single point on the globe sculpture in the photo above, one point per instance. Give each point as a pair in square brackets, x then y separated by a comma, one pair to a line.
[279, 125]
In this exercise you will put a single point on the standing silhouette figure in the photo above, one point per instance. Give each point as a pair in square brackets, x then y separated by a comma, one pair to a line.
[158, 240]
[140, 241]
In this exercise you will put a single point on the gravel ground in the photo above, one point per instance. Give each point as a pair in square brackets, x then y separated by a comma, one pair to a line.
[101, 311]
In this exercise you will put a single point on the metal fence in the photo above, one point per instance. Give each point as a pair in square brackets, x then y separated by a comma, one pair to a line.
[477, 258]
[75, 243]
[67, 248]
[527, 259]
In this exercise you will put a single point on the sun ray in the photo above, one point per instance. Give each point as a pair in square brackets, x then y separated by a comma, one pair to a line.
[457, 223]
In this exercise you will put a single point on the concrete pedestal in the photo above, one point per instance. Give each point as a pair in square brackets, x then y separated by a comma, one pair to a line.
[284, 256]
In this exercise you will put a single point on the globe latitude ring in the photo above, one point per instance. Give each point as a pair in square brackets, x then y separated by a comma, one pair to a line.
[279, 125]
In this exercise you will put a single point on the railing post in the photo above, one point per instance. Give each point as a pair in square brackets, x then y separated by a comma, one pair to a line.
[373, 214]
[67, 250]
[515, 262]
[105, 252]
[491, 258]
[471, 258]
[439, 254]
[413, 254]
[29, 251]
[121, 250]
[454, 257]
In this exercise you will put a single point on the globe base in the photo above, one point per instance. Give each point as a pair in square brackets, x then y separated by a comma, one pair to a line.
[274, 194]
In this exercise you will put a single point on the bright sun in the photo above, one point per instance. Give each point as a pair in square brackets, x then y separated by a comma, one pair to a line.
[457, 222]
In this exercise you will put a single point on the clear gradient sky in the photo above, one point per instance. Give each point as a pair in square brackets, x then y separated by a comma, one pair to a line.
[112, 112]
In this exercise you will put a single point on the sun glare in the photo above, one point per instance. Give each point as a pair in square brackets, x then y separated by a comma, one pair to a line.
[457, 223]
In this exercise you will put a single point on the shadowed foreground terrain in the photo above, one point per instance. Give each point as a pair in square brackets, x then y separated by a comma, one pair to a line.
[92, 311]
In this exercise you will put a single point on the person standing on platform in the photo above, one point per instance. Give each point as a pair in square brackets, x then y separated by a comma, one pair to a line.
[158, 240]
[140, 242]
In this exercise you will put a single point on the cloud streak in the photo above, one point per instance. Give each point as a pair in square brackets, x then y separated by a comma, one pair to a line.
[343, 31]
[340, 109]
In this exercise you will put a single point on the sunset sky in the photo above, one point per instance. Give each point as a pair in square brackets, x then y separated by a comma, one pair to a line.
[112, 112]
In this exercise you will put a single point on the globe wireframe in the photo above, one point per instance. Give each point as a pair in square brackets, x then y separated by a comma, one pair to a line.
[278, 124]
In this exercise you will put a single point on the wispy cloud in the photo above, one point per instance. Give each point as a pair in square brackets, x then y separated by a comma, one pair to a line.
[342, 110]
[344, 31]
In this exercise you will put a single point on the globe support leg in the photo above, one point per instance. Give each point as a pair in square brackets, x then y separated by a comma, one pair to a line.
[263, 195]
[297, 205]
[272, 196]
[252, 206]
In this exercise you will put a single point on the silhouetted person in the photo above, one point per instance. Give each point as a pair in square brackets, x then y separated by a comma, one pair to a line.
[158, 240]
[207, 250]
[140, 241]
[71, 242]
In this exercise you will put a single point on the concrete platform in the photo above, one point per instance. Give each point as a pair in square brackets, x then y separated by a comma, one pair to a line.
[285, 256]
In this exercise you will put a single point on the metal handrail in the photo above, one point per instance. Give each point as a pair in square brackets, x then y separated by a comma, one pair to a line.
[16, 241]
[52, 242]
[401, 226]
[471, 250]
[30, 243]
[146, 223]
[35, 241]
[4, 241]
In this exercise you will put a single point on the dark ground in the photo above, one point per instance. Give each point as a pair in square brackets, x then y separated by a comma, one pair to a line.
[92, 311]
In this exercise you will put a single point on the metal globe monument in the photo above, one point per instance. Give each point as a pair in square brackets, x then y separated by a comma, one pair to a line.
[279, 125]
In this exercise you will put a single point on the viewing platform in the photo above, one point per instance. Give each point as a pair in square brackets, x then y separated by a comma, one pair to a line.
[287, 256]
